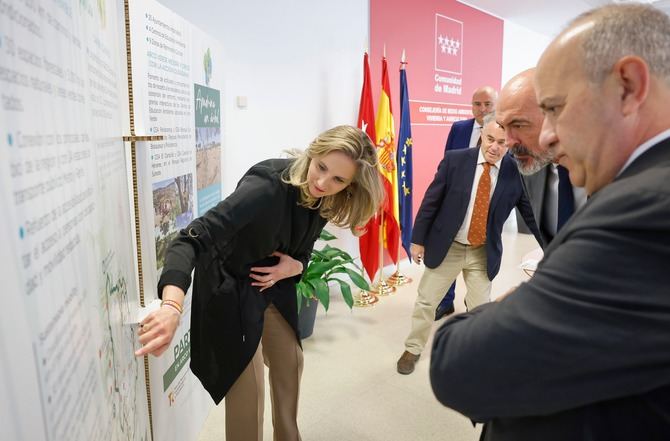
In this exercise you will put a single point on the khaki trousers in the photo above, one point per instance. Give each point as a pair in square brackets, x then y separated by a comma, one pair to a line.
[280, 351]
[435, 282]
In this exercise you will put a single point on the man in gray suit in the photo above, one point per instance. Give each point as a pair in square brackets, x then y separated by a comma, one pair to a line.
[582, 350]
[552, 197]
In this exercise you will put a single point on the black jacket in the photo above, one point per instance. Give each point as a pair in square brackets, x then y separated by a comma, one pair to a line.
[261, 216]
[582, 350]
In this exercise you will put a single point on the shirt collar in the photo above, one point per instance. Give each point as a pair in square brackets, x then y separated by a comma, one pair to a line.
[644, 147]
[481, 160]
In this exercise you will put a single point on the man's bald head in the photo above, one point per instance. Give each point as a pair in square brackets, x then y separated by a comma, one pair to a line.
[604, 86]
[483, 102]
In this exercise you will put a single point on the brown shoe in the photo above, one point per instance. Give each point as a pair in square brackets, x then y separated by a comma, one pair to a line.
[406, 363]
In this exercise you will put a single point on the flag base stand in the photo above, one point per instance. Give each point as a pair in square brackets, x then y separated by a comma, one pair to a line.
[398, 279]
[382, 288]
[364, 299]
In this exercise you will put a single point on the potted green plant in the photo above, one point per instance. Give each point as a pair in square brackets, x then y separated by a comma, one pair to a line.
[327, 265]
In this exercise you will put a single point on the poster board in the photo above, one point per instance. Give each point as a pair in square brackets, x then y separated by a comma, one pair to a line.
[178, 89]
[69, 266]
[68, 262]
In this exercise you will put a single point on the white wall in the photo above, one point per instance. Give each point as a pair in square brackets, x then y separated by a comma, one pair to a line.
[299, 65]
[521, 49]
[298, 62]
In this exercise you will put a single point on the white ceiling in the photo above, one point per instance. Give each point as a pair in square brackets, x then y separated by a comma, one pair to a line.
[547, 17]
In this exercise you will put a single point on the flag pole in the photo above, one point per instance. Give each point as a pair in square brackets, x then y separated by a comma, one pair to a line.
[381, 288]
[363, 298]
[398, 278]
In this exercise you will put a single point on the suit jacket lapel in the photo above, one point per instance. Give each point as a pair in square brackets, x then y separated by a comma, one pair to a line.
[503, 176]
[655, 156]
[468, 132]
[535, 187]
[469, 170]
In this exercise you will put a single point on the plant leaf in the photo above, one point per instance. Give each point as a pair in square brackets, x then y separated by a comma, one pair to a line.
[317, 269]
[302, 289]
[356, 265]
[358, 280]
[307, 290]
[332, 253]
[321, 290]
[325, 235]
[346, 292]
[320, 254]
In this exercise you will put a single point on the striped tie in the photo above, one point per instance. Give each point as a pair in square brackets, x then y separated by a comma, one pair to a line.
[480, 212]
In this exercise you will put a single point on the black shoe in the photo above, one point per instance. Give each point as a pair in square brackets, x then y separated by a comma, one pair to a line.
[443, 311]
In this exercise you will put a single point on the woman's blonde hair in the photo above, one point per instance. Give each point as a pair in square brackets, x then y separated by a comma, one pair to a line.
[358, 202]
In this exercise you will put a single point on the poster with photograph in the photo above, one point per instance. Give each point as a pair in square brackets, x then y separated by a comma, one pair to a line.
[207, 109]
[178, 91]
[173, 210]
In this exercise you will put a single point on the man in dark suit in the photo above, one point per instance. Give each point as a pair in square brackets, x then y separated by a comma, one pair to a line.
[458, 229]
[582, 350]
[547, 185]
[465, 134]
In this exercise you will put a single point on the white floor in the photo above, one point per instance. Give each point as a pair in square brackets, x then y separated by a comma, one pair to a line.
[350, 387]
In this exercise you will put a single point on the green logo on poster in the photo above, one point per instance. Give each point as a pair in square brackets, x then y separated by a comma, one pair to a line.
[182, 354]
[207, 64]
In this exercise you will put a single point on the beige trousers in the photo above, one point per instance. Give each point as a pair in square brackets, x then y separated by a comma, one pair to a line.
[280, 351]
[435, 282]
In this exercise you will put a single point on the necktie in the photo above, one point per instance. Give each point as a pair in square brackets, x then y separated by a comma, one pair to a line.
[480, 212]
[566, 200]
[479, 140]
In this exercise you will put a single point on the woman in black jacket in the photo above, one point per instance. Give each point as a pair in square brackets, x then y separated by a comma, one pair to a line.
[248, 253]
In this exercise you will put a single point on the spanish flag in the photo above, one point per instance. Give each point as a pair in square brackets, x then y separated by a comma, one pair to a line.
[386, 151]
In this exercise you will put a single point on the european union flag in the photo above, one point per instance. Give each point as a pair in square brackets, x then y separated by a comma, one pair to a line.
[405, 165]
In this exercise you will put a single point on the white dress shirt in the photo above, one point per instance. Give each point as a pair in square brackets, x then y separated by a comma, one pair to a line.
[462, 235]
[476, 133]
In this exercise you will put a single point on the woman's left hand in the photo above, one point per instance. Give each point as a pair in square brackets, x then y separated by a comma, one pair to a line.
[269, 275]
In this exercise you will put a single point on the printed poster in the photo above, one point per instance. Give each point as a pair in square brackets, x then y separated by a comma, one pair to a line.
[66, 346]
[178, 92]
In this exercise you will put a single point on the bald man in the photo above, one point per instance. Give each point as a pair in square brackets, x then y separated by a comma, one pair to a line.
[458, 229]
[552, 196]
[582, 350]
[465, 134]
